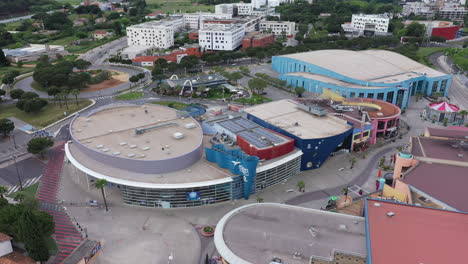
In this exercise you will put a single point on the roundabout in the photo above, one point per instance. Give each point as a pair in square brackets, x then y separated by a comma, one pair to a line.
[116, 84]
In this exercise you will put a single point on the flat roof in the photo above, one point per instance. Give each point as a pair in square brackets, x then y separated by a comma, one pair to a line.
[113, 131]
[415, 234]
[440, 149]
[253, 133]
[446, 183]
[447, 133]
[330, 80]
[257, 233]
[284, 114]
[367, 65]
[199, 172]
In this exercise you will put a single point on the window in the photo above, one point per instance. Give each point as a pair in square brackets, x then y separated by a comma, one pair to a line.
[356, 137]
[365, 134]
[443, 86]
[434, 86]
[380, 96]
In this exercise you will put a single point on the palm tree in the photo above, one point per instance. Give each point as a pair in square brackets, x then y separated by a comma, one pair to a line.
[100, 184]
[3, 190]
[259, 199]
[301, 186]
[352, 161]
[345, 191]
[463, 113]
[75, 92]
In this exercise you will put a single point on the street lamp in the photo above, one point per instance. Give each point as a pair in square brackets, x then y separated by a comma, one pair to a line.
[17, 172]
[13, 137]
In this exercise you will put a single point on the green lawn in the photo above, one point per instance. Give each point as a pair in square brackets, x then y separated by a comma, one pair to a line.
[255, 99]
[424, 53]
[48, 115]
[130, 96]
[172, 104]
[4, 70]
[91, 45]
[29, 192]
[63, 41]
[183, 6]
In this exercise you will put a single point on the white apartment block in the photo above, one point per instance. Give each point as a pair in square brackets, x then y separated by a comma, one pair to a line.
[221, 37]
[244, 9]
[272, 3]
[194, 20]
[224, 9]
[158, 34]
[452, 11]
[418, 9]
[380, 22]
[278, 27]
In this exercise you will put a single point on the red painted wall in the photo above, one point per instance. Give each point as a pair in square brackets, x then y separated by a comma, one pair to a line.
[269, 153]
[446, 32]
[170, 57]
[252, 42]
[193, 35]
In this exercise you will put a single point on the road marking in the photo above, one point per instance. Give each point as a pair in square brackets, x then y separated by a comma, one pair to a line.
[28, 183]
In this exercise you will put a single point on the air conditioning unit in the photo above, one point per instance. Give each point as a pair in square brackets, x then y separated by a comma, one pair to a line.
[178, 135]
[190, 125]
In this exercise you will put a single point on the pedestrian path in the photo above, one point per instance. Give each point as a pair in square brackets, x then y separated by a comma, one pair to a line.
[103, 97]
[66, 235]
[28, 183]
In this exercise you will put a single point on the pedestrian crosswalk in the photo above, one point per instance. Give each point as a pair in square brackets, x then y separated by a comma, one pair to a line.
[103, 97]
[27, 183]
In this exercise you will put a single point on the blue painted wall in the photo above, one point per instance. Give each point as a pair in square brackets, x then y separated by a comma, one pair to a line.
[388, 92]
[316, 151]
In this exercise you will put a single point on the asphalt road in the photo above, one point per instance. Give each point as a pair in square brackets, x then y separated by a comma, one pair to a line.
[458, 92]
[9, 20]
[28, 168]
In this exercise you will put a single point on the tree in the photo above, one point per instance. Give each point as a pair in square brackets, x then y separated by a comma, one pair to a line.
[463, 113]
[29, 95]
[29, 232]
[141, 76]
[134, 79]
[3, 60]
[31, 105]
[53, 91]
[352, 160]
[257, 85]
[244, 69]
[6, 126]
[415, 30]
[39, 145]
[133, 12]
[75, 92]
[82, 64]
[16, 93]
[161, 62]
[299, 91]
[235, 76]
[9, 77]
[301, 186]
[100, 184]
[3, 190]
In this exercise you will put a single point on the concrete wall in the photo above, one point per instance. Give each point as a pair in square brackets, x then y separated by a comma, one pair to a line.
[5, 248]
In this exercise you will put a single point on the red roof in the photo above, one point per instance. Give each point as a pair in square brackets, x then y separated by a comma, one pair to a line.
[101, 32]
[155, 13]
[415, 234]
[145, 58]
[4, 237]
[444, 107]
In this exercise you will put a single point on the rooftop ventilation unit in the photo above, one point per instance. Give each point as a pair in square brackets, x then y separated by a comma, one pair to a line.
[313, 109]
[100, 146]
[88, 120]
[105, 150]
[342, 227]
[145, 148]
[190, 125]
[89, 141]
[377, 204]
[131, 155]
[142, 156]
[390, 214]
[123, 143]
[116, 153]
[178, 135]
[133, 146]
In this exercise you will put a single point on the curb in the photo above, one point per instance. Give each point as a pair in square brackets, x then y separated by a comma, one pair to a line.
[93, 102]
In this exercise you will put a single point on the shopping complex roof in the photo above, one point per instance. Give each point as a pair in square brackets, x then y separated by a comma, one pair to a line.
[368, 65]
[439, 150]
[453, 133]
[443, 182]
[146, 132]
[257, 233]
[286, 115]
[407, 234]
[253, 133]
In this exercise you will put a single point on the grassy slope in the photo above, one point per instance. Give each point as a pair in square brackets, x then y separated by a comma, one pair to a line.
[48, 115]
[175, 105]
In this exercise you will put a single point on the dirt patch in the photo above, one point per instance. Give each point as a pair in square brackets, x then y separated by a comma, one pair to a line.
[101, 86]
[117, 79]
[121, 76]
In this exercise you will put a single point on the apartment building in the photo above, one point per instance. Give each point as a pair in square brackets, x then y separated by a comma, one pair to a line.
[224, 9]
[221, 37]
[278, 27]
[452, 11]
[158, 34]
[194, 20]
[378, 22]
[244, 9]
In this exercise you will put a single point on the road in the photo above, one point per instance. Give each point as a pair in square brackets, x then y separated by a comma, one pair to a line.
[458, 92]
[98, 55]
[9, 20]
